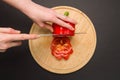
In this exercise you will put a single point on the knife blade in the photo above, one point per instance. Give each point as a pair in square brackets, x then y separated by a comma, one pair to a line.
[50, 34]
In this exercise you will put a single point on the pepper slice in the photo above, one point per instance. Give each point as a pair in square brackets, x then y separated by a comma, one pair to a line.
[61, 48]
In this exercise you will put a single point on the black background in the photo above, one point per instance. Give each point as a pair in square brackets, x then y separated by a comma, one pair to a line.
[18, 64]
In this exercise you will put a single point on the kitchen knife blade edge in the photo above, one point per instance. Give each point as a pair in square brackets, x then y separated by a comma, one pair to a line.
[40, 35]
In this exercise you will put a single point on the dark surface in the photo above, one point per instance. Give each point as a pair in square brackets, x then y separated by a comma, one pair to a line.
[18, 64]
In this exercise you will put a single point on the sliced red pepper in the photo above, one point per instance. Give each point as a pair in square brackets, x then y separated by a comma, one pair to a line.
[61, 48]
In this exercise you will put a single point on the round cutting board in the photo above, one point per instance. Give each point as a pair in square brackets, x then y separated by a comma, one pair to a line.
[83, 44]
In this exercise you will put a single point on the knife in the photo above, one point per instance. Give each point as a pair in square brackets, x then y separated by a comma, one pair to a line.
[42, 35]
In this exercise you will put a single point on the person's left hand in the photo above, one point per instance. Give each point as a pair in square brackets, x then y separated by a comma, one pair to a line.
[41, 15]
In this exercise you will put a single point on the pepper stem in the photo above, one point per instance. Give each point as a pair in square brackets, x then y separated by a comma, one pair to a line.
[66, 13]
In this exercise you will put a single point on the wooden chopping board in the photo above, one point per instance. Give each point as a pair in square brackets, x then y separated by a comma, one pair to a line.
[83, 44]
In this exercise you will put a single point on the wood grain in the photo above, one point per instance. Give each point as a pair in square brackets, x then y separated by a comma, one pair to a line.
[83, 44]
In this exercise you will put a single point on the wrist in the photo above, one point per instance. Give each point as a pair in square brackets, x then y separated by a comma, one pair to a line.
[28, 8]
[22, 5]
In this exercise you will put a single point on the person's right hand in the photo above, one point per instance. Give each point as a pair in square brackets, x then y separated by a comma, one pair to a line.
[10, 38]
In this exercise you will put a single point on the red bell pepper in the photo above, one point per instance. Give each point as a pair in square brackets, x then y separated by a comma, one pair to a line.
[57, 29]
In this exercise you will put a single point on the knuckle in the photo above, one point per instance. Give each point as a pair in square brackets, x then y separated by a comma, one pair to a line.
[52, 18]
[23, 36]
[10, 29]
[65, 18]
[3, 39]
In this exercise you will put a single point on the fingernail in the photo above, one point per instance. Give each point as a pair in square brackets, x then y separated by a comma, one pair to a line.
[17, 31]
[35, 36]
[51, 30]
[72, 28]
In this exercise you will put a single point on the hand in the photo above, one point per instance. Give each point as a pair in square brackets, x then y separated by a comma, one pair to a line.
[10, 37]
[40, 14]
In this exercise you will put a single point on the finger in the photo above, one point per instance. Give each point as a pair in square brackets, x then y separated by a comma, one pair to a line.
[65, 18]
[62, 23]
[17, 37]
[2, 50]
[13, 44]
[48, 26]
[41, 24]
[9, 30]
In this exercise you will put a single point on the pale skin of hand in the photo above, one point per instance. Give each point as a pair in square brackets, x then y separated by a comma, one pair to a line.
[39, 14]
[10, 38]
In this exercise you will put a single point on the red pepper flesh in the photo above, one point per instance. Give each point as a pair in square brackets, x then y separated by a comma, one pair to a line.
[57, 29]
